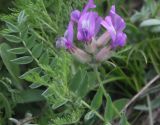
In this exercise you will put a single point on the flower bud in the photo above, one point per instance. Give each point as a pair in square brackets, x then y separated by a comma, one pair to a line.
[91, 47]
[103, 54]
[103, 39]
[81, 55]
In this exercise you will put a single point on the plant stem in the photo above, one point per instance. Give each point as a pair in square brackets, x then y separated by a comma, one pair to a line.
[103, 89]
[89, 107]
[100, 82]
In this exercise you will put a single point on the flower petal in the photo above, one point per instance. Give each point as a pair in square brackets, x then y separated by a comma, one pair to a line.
[120, 40]
[61, 42]
[66, 41]
[98, 24]
[89, 5]
[107, 23]
[87, 26]
[113, 9]
[69, 32]
[117, 21]
[75, 15]
[84, 35]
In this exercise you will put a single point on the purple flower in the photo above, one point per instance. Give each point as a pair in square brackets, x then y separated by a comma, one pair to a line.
[115, 26]
[88, 22]
[76, 14]
[66, 41]
[88, 26]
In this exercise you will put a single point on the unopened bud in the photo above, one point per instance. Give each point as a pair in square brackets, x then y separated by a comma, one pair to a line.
[81, 55]
[103, 54]
[91, 47]
[103, 39]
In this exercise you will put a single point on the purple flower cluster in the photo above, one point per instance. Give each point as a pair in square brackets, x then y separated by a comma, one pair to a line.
[88, 24]
[115, 26]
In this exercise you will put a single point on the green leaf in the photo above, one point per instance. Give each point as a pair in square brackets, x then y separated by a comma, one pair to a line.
[79, 83]
[12, 38]
[108, 123]
[34, 70]
[91, 79]
[150, 22]
[83, 86]
[35, 85]
[89, 115]
[75, 81]
[23, 60]
[37, 50]
[156, 29]
[123, 120]
[12, 27]
[19, 50]
[97, 100]
[21, 17]
[120, 103]
[59, 103]
[44, 58]
[108, 115]
[6, 105]
[155, 103]
[141, 107]
[24, 32]
[28, 96]
[12, 68]
[31, 41]
[152, 6]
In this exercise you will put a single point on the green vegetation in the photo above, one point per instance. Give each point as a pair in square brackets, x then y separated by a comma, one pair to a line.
[43, 85]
